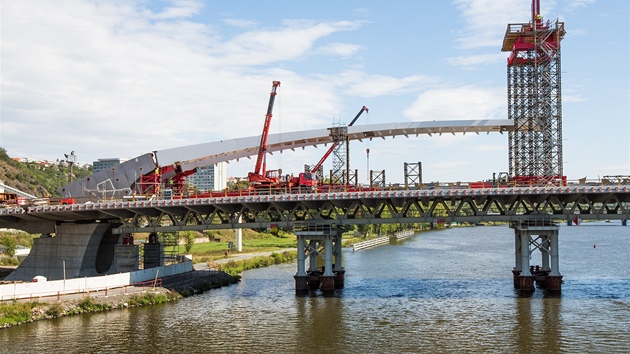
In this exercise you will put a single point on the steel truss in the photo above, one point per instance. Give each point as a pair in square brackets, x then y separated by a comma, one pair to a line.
[383, 207]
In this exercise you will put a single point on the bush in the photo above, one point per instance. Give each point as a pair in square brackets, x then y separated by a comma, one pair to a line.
[55, 310]
[9, 261]
[89, 305]
[15, 313]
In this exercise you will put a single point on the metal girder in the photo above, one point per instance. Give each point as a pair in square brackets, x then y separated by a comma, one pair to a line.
[364, 207]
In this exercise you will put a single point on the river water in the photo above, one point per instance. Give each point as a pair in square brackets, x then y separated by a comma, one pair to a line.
[439, 291]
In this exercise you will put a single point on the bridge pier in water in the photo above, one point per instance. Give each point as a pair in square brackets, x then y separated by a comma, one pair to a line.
[543, 236]
[322, 245]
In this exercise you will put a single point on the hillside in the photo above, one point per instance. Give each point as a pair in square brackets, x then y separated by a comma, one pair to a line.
[36, 178]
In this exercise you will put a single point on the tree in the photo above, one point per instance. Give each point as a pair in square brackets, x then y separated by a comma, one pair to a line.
[9, 245]
[189, 238]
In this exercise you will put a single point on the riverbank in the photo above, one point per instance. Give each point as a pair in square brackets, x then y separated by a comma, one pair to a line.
[205, 277]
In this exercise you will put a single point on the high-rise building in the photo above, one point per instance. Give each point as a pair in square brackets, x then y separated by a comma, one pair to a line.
[104, 164]
[210, 178]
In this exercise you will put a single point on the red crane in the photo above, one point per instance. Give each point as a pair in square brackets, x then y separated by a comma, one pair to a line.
[260, 174]
[332, 147]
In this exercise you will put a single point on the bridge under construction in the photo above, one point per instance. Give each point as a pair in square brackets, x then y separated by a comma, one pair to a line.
[94, 235]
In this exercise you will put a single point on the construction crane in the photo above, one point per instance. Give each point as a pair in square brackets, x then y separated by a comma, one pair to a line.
[334, 144]
[260, 175]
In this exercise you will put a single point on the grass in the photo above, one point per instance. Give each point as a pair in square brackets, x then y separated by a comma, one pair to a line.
[14, 313]
[236, 267]
[252, 242]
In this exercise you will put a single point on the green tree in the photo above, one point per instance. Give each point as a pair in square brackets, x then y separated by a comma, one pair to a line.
[9, 245]
[189, 238]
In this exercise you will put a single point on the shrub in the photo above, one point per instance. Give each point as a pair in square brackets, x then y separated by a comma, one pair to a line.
[9, 261]
[55, 310]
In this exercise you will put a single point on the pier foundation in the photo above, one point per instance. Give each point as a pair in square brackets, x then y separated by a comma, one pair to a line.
[321, 245]
[530, 235]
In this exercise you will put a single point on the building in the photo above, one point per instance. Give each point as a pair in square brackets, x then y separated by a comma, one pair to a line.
[104, 164]
[210, 178]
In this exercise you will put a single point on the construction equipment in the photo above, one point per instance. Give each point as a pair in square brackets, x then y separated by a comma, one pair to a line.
[272, 180]
[319, 164]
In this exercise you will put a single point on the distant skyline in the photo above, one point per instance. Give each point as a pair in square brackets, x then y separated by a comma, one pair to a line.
[122, 78]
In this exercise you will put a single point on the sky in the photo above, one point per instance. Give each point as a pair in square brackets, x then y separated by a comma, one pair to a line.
[117, 78]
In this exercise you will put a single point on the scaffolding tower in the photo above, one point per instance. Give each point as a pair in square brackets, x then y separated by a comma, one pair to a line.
[534, 97]
[340, 161]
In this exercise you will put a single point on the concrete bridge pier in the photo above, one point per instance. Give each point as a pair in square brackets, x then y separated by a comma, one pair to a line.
[320, 244]
[77, 250]
[546, 276]
[301, 278]
[338, 268]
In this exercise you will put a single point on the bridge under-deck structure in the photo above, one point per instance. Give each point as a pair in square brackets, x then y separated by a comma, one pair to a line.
[95, 229]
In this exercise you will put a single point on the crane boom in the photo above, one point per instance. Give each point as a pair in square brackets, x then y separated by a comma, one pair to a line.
[332, 147]
[260, 168]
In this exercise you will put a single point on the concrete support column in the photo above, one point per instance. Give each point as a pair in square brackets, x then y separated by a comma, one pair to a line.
[301, 278]
[328, 257]
[544, 251]
[516, 271]
[517, 251]
[301, 256]
[339, 271]
[555, 255]
[524, 236]
[337, 251]
[554, 280]
[314, 280]
[312, 256]
[526, 280]
[328, 278]
[238, 236]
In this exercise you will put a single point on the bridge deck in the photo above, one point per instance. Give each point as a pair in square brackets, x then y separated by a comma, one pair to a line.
[356, 207]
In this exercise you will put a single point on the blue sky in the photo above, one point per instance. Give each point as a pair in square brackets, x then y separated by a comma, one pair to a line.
[122, 78]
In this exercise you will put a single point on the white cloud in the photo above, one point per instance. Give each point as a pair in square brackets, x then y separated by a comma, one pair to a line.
[339, 49]
[259, 47]
[576, 4]
[472, 61]
[180, 9]
[461, 103]
[363, 85]
[486, 20]
[241, 23]
[116, 79]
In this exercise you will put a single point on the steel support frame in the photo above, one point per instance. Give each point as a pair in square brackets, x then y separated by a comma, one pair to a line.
[413, 175]
[535, 105]
[386, 209]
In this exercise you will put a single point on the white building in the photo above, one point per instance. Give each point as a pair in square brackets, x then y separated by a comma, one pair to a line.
[210, 178]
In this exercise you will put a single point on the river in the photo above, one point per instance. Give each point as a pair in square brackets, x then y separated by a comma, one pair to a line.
[439, 291]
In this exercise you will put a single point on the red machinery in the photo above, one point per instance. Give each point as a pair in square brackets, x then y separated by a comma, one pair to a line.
[522, 41]
[261, 178]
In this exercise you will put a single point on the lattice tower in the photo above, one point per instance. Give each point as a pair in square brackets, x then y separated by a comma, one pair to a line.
[338, 174]
[534, 97]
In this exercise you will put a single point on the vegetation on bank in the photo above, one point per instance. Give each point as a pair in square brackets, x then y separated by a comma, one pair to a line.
[16, 313]
[234, 267]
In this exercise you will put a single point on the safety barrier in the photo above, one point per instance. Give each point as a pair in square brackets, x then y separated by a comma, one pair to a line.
[29, 290]
[370, 243]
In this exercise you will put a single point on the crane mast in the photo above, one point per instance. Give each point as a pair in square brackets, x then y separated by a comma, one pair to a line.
[260, 169]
